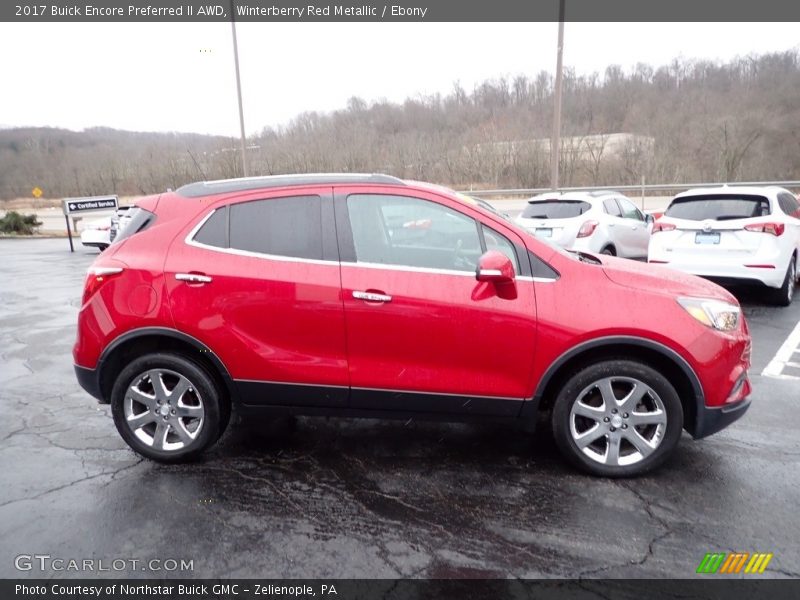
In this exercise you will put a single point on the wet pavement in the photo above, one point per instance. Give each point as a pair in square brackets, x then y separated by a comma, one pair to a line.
[312, 497]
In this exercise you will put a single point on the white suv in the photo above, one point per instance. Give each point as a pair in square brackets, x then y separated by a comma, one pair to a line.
[602, 222]
[733, 235]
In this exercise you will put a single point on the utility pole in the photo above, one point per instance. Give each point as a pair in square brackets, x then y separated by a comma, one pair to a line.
[555, 140]
[239, 87]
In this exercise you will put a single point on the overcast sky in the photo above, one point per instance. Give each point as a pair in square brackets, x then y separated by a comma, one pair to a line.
[180, 77]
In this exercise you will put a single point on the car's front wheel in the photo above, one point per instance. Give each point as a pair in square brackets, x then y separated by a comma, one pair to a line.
[617, 418]
[167, 407]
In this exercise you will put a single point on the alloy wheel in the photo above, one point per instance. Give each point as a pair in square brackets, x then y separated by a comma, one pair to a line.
[618, 421]
[164, 410]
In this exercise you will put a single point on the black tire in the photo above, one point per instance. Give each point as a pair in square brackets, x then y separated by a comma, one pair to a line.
[609, 251]
[581, 386]
[783, 295]
[202, 391]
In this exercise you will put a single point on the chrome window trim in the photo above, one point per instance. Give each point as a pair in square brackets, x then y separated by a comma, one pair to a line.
[189, 241]
[408, 268]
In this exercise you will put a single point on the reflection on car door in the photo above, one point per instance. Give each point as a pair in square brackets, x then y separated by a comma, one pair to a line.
[422, 333]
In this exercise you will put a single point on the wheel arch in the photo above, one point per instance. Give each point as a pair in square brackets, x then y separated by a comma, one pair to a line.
[672, 365]
[139, 342]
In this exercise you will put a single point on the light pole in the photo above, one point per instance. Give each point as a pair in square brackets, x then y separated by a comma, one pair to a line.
[239, 87]
[555, 140]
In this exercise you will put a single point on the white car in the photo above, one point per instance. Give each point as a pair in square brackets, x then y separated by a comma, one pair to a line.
[97, 233]
[733, 234]
[120, 220]
[601, 222]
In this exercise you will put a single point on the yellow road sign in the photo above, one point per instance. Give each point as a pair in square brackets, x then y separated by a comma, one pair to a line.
[37, 192]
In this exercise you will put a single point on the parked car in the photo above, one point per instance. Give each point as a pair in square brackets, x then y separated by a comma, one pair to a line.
[291, 295]
[733, 234]
[99, 233]
[96, 233]
[601, 222]
[119, 221]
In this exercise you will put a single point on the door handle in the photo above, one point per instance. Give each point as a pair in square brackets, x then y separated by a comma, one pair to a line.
[371, 296]
[193, 277]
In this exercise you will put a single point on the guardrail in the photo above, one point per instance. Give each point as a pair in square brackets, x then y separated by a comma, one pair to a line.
[643, 189]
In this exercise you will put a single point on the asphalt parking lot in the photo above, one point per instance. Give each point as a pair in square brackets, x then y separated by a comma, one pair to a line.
[346, 498]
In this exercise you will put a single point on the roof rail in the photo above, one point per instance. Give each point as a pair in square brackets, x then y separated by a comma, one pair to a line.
[222, 186]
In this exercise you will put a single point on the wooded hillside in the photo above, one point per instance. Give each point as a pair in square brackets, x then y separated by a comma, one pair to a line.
[688, 121]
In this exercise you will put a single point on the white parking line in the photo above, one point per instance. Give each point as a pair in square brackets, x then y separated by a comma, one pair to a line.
[783, 357]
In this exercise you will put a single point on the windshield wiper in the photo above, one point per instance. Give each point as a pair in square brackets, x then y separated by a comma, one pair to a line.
[587, 258]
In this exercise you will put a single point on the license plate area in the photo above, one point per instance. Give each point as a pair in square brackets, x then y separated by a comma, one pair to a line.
[701, 237]
[544, 232]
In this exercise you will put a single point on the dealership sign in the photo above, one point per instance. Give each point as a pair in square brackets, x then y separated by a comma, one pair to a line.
[73, 206]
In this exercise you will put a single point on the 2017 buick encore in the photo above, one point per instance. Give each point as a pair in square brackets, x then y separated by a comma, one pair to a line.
[367, 295]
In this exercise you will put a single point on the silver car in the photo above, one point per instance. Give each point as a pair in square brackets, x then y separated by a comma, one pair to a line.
[601, 222]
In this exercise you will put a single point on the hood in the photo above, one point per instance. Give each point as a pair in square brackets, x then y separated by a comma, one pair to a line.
[661, 279]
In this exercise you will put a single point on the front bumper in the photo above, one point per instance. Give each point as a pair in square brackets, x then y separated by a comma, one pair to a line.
[89, 381]
[711, 420]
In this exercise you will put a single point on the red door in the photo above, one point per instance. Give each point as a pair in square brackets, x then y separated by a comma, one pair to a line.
[258, 282]
[422, 333]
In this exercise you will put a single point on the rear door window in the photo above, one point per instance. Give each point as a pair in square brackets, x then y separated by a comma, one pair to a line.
[289, 227]
[718, 207]
[555, 209]
[611, 207]
[629, 210]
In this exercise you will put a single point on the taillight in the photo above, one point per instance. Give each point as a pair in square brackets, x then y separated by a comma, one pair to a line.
[661, 226]
[773, 228]
[95, 278]
[587, 229]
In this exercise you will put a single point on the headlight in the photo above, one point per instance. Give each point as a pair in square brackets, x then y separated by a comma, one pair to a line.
[713, 313]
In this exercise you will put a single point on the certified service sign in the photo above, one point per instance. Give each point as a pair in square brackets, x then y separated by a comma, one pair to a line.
[74, 206]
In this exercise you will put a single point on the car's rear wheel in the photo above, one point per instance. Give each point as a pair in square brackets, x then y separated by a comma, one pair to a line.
[784, 295]
[167, 407]
[617, 418]
[609, 251]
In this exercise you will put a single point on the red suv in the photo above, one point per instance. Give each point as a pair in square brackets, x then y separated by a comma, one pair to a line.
[369, 296]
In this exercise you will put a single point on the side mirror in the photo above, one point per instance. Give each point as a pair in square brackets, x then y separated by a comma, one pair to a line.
[649, 219]
[495, 267]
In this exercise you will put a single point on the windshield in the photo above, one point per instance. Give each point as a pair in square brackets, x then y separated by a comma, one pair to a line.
[555, 209]
[718, 207]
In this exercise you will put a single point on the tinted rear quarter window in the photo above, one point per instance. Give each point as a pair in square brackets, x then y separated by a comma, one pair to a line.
[278, 226]
[555, 209]
[214, 231]
[789, 205]
[718, 207]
